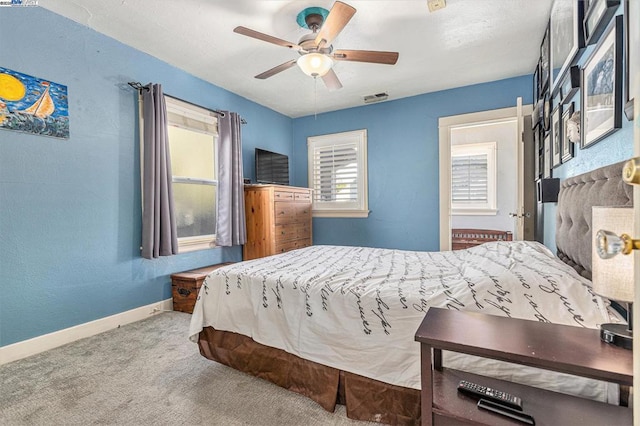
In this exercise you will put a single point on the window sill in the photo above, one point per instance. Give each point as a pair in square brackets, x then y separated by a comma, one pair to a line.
[195, 246]
[341, 213]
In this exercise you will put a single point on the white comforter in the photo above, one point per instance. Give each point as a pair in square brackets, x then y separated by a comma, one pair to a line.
[357, 309]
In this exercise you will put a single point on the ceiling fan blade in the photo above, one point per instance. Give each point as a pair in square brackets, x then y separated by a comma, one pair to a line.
[331, 81]
[265, 37]
[374, 56]
[339, 16]
[276, 70]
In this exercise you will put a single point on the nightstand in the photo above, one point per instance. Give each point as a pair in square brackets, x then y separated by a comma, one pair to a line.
[561, 348]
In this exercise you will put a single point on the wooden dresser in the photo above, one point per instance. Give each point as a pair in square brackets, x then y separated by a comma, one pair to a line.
[278, 219]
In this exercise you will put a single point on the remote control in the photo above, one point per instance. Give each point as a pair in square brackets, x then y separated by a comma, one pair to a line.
[506, 411]
[494, 395]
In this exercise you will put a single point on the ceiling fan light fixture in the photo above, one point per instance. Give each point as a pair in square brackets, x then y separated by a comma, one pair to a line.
[315, 64]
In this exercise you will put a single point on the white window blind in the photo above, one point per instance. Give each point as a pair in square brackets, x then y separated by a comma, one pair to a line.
[473, 178]
[335, 172]
[469, 178]
[338, 175]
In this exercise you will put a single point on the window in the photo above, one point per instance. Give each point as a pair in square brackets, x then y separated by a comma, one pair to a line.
[192, 132]
[473, 179]
[338, 174]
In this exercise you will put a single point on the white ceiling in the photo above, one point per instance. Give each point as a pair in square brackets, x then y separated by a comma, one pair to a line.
[468, 42]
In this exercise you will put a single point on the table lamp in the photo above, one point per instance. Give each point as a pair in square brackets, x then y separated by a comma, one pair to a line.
[612, 266]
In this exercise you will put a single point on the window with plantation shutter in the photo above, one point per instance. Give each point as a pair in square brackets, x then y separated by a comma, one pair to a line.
[338, 174]
[473, 178]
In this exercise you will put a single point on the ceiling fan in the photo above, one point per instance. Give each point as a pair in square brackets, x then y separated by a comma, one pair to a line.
[317, 54]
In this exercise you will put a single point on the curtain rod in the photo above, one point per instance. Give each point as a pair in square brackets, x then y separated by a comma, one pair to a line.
[139, 87]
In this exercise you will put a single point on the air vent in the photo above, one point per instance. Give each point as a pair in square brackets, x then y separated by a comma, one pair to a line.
[369, 99]
[436, 5]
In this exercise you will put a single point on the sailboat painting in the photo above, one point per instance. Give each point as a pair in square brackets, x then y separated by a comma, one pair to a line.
[33, 105]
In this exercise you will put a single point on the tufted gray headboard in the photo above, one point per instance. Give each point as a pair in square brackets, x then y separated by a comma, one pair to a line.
[600, 187]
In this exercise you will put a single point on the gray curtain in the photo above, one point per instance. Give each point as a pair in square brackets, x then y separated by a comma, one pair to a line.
[159, 235]
[230, 225]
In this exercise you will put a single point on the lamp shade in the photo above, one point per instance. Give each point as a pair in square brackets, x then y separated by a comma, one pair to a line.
[315, 64]
[612, 278]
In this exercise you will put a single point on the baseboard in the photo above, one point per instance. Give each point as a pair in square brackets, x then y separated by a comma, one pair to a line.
[43, 343]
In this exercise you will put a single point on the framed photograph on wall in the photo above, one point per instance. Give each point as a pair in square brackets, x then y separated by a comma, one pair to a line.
[632, 31]
[536, 84]
[544, 62]
[568, 133]
[556, 136]
[546, 112]
[566, 37]
[546, 169]
[597, 17]
[601, 107]
[570, 84]
[536, 150]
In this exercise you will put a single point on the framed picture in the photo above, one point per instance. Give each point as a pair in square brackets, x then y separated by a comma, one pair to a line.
[546, 165]
[536, 84]
[544, 62]
[632, 31]
[597, 18]
[566, 38]
[536, 151]
[556, 136]
[568, 130]
[546, 112]
[570, 84]
[601, 108]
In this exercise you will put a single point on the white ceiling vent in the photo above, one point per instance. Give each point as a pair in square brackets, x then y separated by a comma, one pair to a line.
[369, 99]
[436, 5]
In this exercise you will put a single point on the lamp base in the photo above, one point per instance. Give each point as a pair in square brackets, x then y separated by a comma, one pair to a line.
[617, 334]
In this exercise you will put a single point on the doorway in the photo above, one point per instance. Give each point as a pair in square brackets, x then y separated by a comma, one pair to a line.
[504, 129]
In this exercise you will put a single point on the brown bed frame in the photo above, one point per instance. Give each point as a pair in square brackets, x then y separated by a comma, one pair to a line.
[465, 238]
[372, 400]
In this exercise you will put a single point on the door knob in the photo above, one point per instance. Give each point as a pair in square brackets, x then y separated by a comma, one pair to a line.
[631, 171]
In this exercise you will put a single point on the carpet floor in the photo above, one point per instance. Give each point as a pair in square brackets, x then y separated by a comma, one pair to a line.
[146, 373]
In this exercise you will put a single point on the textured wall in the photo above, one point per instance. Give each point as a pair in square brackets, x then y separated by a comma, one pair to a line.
[70, 209]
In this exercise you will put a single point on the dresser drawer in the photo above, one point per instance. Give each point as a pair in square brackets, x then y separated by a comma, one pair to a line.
[292, 245]
[284, 212]
[303, 212]
[286, 232]
[303, 230]
[302, 196]
[283, 195]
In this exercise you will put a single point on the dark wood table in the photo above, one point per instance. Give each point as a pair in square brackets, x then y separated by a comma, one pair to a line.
[567, 349]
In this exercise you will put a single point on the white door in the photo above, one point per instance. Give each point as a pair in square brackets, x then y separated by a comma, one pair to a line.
[502, 127]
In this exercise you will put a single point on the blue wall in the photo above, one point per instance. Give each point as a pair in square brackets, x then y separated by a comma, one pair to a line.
[70, 209]
[403, 162]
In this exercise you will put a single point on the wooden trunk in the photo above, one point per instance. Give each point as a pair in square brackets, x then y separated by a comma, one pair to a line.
[186, 285]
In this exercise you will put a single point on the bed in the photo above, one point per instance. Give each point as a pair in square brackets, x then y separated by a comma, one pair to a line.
[337, 323]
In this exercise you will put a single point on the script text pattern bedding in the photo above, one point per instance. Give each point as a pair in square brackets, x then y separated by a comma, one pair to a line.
[356, 309]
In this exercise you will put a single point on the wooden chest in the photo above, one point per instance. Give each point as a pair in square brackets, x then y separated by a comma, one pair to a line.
[186, 285]
[278, 219]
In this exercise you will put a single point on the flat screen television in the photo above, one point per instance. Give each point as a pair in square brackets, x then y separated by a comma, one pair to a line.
[272, 167]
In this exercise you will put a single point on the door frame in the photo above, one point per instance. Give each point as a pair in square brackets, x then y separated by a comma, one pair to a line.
[445, 124]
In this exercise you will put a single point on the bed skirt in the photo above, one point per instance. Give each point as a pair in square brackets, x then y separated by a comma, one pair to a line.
[364, 398]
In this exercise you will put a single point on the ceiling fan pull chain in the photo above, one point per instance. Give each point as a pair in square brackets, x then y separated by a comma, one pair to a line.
[315, 98]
